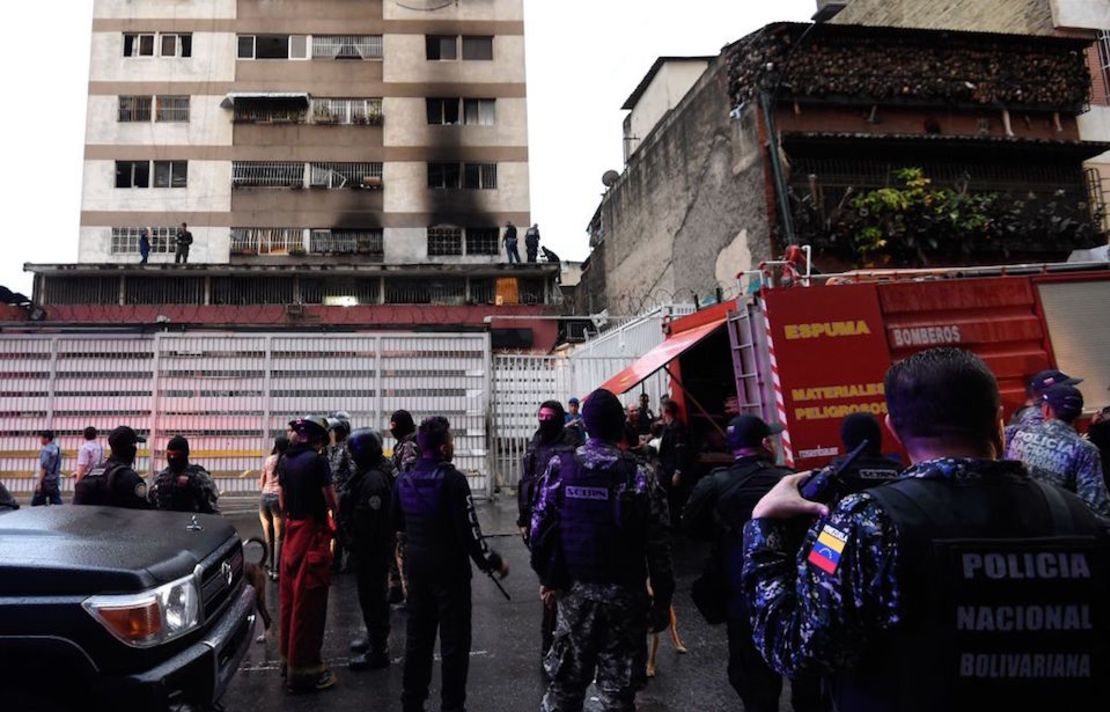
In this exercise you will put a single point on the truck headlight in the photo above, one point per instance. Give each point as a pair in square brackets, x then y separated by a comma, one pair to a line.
[149, 618]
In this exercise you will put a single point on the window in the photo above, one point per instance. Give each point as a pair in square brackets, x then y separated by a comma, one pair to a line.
[477, 48]
[445, 241]
[348, 242]
[346, 175]
[134, 108]
[125, 240]
[443, 175]
[1104, 61]
[173, 109]
[171, 174]
[441, 47]
[479, 112]
[177, 45]
[482, 240]
[480, 176]
[132, 174]
[443, 112]
[357, 112]
[346, 47]
[267, 240]
[273, 47]
[138, 45]
[267, 174]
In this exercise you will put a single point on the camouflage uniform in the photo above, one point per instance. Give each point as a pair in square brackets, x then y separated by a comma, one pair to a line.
[406, 453]
[601, 628]
[1028, 416]
[832, 615]
[341, 467]
[191, 490]
[1055, 453]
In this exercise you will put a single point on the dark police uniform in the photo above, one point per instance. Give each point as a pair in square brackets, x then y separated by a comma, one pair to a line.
[364, 523]
[191, 490]
[535, 462]
[1055, 453]
[719, 506]
[432, 505]
[113, 484]
[612, 520]
[965, 583]
[865, 472]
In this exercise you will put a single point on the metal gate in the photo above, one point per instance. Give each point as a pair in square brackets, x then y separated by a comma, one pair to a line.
[231, 394]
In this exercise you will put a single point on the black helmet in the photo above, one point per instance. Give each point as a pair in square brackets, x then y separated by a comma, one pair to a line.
[340, 424]
[365, 446]
[310, 427]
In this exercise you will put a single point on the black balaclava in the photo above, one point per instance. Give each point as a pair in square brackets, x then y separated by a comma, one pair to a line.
[403, 424]
[177, 453]
[603, 415]
[551, 429]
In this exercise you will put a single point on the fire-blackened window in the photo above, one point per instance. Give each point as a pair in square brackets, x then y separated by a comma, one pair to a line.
[443, 112]
[442, 47]
[445, 241]
[443, 176]
[482, 240]
[480, 176]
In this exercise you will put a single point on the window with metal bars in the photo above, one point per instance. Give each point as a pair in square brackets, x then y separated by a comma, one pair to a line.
[156, 290]
[355, 112]
[445, 241]
[348, 242]
[81, 290]
[346, 47]
[335, 176]
[252, 290]
[423, 291]
[173, 109]
[270, 111]
[134, 108]
[482, 240]
[483, 291]
[480, 176]
[267, 174]
[359, 290]
[125, 240]
[267, 241]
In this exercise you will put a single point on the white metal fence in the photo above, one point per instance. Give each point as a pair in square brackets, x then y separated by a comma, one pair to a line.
[230, 395]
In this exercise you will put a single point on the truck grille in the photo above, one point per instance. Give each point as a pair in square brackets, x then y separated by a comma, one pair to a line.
[215, 586]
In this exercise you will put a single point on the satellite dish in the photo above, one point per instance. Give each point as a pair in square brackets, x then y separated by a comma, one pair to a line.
[610, 178]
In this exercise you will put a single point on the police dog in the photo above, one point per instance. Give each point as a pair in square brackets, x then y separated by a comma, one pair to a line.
[256, 577]
[679, 646]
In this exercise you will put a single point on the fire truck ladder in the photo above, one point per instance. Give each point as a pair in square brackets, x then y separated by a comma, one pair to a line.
[745, 363]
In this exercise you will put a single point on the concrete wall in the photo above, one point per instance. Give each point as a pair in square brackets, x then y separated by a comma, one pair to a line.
[166, 9]
[213, 60]
[1081, 14]
[1027, 17]
[209, 190]
[690, 210]
[664, 92]
[209, 125]
[499, 10]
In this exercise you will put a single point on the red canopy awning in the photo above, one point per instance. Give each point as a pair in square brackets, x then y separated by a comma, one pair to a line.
[659, 357]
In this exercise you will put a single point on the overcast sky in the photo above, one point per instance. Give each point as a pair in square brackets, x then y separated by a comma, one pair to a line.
[584, 58]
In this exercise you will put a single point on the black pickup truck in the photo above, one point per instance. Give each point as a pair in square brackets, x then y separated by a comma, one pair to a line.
[104, 608]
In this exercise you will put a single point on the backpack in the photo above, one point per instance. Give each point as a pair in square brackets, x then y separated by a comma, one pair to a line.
[95, 488]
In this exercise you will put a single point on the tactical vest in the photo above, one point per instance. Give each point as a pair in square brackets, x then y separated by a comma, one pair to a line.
[867, 472]
[172, 495]
[1004, 601]
[535, 465]
[95, 488]
[603, 522]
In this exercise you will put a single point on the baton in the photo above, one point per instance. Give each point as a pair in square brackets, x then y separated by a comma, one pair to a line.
[499, 586]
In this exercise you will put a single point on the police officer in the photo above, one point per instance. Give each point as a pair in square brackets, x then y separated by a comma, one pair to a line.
[605, 516]
[1055, 453]
[933, 592]
[551, 438]
[433, 506]
[183, 486]
[364, 525]
[871, 467]
[339, 427]
[718, 508]
[1030, 413]
[115, 483]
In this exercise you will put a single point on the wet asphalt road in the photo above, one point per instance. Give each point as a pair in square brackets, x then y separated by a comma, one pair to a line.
[504, 671]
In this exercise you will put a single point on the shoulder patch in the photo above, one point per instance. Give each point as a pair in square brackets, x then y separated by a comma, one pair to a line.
[140, 490]
[826, 551]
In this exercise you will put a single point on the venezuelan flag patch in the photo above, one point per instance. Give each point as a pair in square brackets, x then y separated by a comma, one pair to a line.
[826, 551]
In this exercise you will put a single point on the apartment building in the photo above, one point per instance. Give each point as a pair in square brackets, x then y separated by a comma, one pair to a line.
[333, 132]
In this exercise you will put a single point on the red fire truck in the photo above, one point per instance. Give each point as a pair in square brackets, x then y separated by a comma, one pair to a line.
[809, 354]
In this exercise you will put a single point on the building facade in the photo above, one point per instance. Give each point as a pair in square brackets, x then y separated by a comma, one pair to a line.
[283, 132]
[845, 137]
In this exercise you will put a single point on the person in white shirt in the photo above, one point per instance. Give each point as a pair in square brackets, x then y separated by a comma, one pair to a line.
[91, 454]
